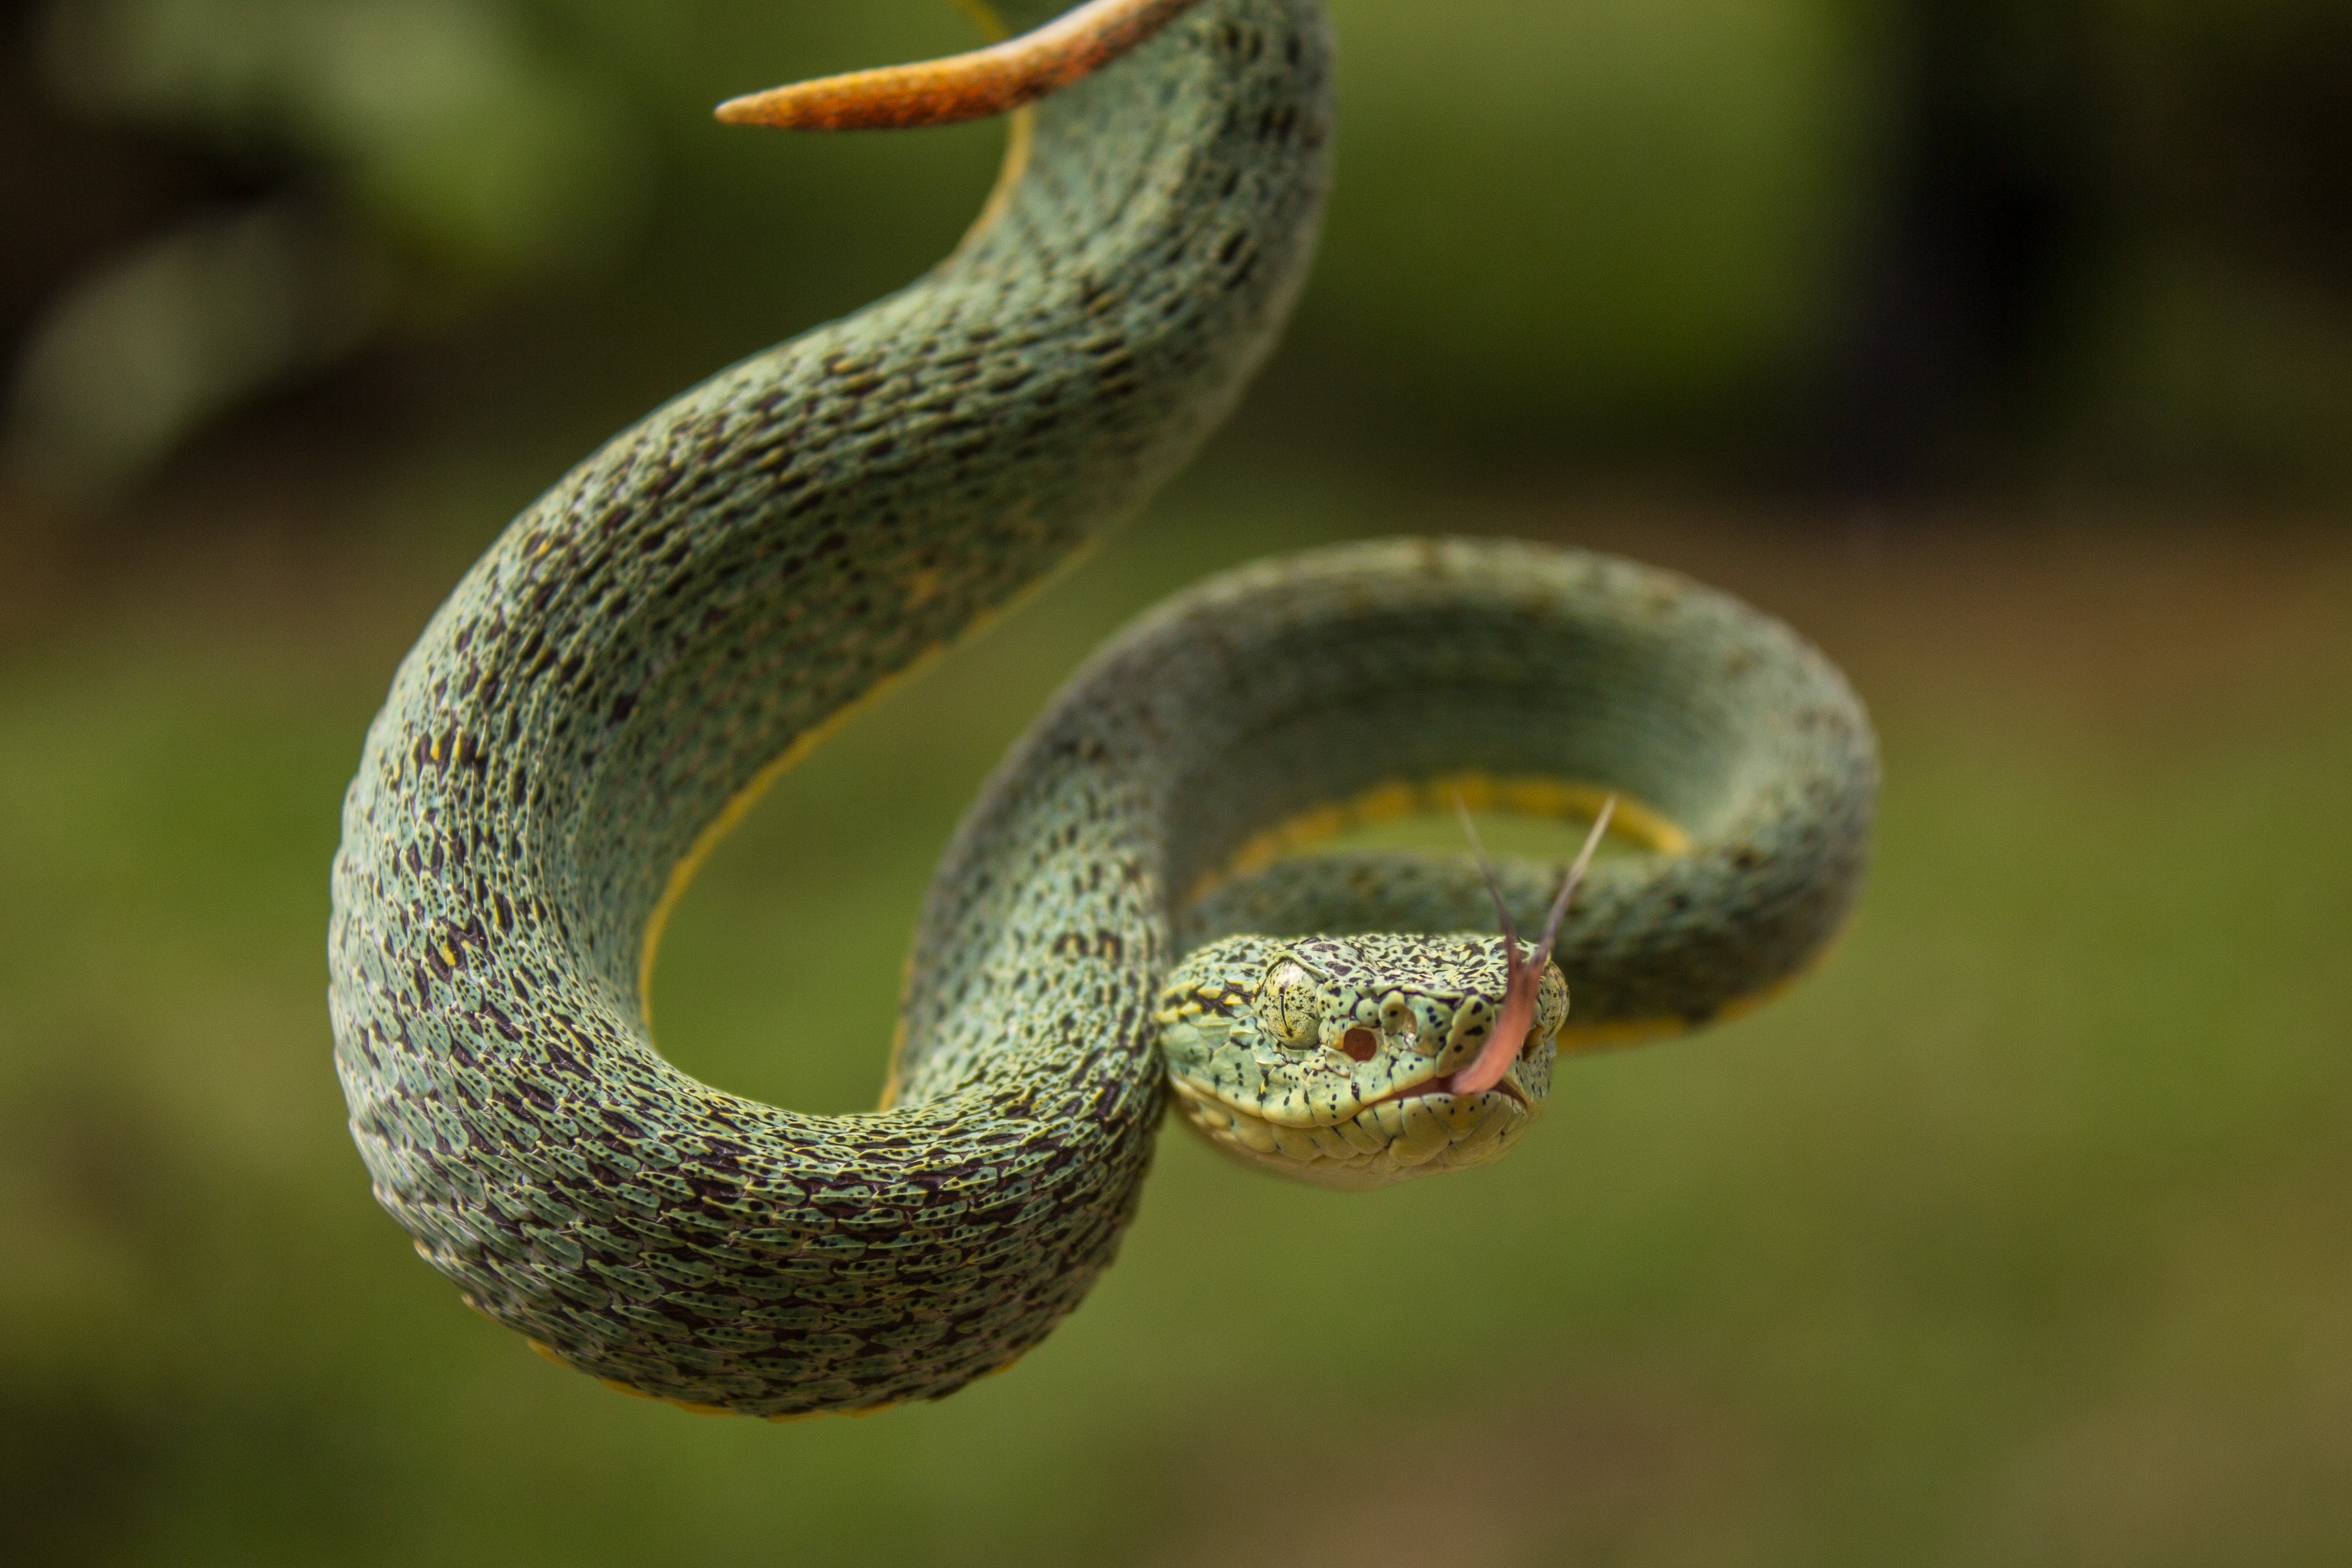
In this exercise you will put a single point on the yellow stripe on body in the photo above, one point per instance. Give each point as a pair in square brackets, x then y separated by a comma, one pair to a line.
[1017, 147]
[1021, 136]
[1527, 796]
[740, 804]
[1559, 799]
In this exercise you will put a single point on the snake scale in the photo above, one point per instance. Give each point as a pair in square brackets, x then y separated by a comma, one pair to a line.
[1115, 924]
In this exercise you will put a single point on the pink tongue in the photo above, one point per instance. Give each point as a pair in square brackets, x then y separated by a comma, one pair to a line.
[1494, 1058]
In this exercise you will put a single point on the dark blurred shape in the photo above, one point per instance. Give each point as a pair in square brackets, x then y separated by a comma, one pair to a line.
[129, 360]
[1994, 218]
[405, 162]
[2225, 353]
[2247, 109]
[2113, 241]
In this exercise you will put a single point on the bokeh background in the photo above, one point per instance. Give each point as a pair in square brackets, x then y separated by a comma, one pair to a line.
[2003, 346]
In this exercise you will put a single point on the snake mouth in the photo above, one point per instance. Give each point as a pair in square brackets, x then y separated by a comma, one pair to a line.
[1415, 1129]
[1509, 1084]
[1442, 1085]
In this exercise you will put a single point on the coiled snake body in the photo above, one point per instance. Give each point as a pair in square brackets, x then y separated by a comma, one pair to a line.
[693, 607]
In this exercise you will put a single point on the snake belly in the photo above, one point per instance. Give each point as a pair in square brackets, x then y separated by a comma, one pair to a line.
[691, 609]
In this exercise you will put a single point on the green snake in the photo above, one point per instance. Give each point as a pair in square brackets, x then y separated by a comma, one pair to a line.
[1115, 924]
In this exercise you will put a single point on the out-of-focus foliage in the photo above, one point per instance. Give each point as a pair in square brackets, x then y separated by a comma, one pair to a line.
[2015, 1236]
[2222, 347]
[131, 360]
[1598, 218]
[415, 157]
[438, 122]
[1840, 244]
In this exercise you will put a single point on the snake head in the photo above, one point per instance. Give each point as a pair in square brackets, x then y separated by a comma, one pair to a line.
[1342, 1060]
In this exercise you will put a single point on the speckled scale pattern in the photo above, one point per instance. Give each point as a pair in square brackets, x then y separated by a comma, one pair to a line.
[712, 586]
[1511, 661]
[698, 600]
[1266, 692]
[1300, 1056]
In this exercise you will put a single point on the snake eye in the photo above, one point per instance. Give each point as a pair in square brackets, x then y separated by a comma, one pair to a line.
[1360, 1043]
[1286, 1003]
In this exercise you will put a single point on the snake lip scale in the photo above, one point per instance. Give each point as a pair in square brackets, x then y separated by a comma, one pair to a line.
[1114, 928]
[1445, 1085]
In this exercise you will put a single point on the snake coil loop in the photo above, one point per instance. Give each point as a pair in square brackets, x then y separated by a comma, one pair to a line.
[702, 600]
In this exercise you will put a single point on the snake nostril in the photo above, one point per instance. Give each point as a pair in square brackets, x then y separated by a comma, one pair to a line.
[1360, 1043]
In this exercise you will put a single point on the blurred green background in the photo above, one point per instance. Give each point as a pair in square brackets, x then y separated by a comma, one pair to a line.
[2005, 348]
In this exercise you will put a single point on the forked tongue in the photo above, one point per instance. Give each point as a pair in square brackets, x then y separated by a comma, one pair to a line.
[1524, 978]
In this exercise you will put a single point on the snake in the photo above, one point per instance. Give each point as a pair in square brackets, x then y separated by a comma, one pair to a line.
[1131, 915]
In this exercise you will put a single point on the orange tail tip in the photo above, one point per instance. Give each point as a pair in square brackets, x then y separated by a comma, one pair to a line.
[972, 86]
